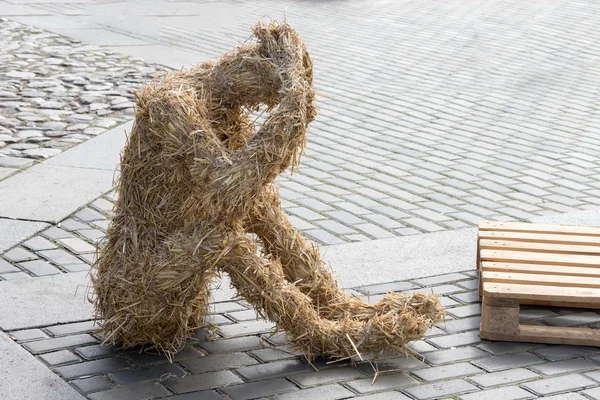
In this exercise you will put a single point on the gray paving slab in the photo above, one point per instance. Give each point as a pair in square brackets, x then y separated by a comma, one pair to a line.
[48, 300]
[50, 193]
[23, 377]
[387, 260]
[101, 152]
[13, 232]
[5, 172]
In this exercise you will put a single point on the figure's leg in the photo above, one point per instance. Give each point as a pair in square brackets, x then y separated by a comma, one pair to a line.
[302, 262]
[262, 283]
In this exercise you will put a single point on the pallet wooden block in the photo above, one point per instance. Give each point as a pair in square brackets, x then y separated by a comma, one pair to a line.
[552, 265]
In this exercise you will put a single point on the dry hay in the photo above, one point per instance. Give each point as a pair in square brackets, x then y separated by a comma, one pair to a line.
[197, 179]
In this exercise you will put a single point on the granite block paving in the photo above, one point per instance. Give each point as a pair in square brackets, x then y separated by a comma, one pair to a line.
[257, 365]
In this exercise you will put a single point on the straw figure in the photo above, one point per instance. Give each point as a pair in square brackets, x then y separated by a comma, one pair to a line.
[197, 180]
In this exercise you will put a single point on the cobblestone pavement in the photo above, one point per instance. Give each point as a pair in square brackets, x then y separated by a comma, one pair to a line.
[433, 115]
[56, 92]
[238, 356]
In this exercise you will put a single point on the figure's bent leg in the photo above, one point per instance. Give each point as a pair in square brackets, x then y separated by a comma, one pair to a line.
[262, 283]
[302, 263]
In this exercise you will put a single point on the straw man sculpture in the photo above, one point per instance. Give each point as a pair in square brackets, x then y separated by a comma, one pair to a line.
[197, 179]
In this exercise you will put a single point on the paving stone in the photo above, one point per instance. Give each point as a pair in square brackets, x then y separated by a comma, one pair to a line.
[246, 328]
[456, 340]
[386, 287]
[564, 367]
[147, 358]
[506, 377]
[453, 355]
[56, 233]
[267, 355]
[245, 315]
[559, 384]
[59, 357]
[457, 370]
[384, 396]
[441, 389]
[5, 266]
[439, 279]
[39, 243]
[272, 370]
[404, 363]
[226, 307]
[96, 351]
[28, 334]
[88, 215]
[421, 346]
[255, 390]
[218, 362]
[138, 392]
[90, 385]
[469, 297]
[210, 380]
[515, 360]
[39, 268]
[562, 352]
[583, 318]
[19, 254]
[93, 235]
[46, 345]
[383, 382]
[71, 224]
[534, 313]
[327, 392]
[155, 372]
[463, 324]
[60, 257]
[595, 375]
[324, 237]
[204, 395]
[77, 245]
[497, 348]
[472, 284]
[315, 378]
[465, 311]
[69, 329]
[14, 276]
[505, 393]
[76, 267]
[233, 345]
[95, 367]
[591, 393]
[216, 319]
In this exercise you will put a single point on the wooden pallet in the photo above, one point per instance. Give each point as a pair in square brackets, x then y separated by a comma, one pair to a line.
[550, 265]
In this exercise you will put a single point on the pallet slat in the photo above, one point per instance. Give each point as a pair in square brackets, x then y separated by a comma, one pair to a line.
[540, 269]
[526, 227]
[486, 244]
[524, 257]
[533, 292]
[541, 237]
[549, 334]
[545, 282]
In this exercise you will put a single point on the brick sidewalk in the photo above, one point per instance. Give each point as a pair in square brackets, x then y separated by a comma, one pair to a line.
[238, 357]
[433, 115]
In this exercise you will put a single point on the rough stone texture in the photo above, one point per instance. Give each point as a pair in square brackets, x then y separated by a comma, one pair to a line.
[46, 83]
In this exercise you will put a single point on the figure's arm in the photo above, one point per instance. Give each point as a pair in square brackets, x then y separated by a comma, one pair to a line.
[233, 182]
